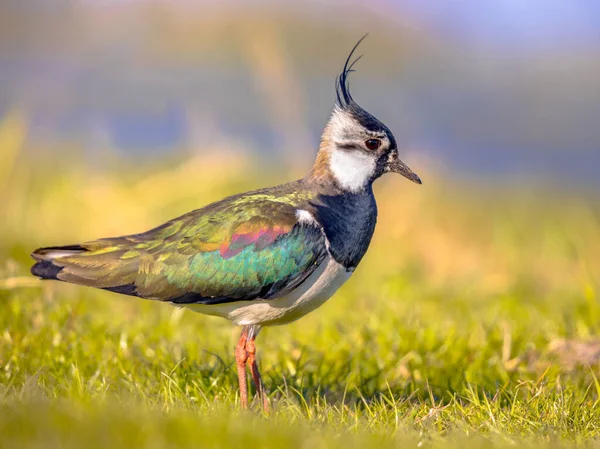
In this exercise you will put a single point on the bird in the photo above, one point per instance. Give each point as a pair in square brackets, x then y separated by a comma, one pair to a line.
[261, 258]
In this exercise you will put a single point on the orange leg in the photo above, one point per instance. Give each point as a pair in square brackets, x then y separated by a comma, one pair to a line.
[260, 388]
[241, 357]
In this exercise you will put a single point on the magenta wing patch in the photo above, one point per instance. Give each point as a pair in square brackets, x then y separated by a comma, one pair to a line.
[246, 234]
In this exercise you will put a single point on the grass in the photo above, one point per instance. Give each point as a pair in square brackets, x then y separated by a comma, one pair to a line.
[473, 320]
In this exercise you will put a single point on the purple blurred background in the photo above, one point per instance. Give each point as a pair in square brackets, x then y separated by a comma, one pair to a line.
[494, 89]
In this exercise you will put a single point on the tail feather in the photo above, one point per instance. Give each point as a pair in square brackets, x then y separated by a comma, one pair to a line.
[44, 267]
[95, 264]
[53, 252]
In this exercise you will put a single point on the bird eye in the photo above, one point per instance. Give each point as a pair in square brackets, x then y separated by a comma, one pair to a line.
[372, 144]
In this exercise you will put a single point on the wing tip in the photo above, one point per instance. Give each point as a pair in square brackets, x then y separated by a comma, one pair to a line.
[44, 266]
[45, 269]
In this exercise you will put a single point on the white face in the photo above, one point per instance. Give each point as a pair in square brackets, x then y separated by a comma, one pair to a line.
[351, 163]
[352, 169]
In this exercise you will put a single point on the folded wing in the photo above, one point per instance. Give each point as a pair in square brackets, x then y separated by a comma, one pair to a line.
[239, 249]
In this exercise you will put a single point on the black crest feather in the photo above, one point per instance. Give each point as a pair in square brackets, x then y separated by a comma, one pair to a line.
[342, 88]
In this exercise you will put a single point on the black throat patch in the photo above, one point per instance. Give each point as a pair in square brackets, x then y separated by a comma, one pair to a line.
[348, 221]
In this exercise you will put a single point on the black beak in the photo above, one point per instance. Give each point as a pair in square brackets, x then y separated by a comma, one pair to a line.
[397, 166]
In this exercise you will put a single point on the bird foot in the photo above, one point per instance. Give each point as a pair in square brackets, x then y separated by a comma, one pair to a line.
[256, 377]
[245, 353]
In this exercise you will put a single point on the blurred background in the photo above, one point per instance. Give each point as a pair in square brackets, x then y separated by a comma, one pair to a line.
[118, 115]
[494, 90]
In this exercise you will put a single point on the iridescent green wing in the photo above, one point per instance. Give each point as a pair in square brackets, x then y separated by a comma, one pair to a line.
[241, 248]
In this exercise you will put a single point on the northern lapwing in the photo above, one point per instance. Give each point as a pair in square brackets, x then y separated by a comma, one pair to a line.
[260, 258]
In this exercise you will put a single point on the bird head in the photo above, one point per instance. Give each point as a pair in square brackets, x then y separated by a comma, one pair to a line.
[357, 148]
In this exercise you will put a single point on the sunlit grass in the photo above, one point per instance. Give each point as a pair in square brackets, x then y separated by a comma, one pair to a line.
[473, 320]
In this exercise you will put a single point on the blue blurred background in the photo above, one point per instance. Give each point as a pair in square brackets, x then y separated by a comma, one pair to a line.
[496, 90]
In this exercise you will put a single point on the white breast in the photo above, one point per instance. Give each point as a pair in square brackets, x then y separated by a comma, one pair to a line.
[313, 292]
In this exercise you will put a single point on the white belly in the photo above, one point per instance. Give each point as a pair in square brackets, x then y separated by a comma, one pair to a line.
[313, 292]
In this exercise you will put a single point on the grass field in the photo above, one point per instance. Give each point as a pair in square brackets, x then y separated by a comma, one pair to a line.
[473, 321]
